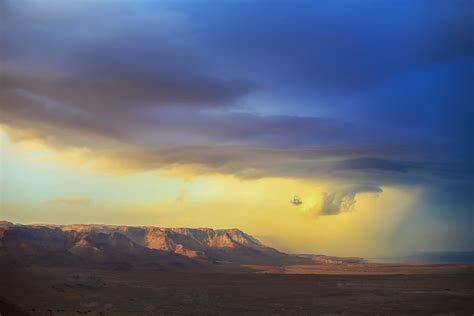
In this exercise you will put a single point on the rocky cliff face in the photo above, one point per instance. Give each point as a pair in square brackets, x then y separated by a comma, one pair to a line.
[125, 246]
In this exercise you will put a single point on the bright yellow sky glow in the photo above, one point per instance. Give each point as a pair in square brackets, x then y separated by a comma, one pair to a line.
[42, 184]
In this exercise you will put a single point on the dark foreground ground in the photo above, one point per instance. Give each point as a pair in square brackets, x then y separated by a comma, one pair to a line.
[42, 291]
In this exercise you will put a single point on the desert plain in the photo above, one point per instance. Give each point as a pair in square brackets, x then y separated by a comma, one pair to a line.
[108, 270]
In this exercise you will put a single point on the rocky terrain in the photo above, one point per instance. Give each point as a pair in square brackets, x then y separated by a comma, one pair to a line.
[124, 247]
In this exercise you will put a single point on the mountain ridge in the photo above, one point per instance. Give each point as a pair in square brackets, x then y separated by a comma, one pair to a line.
[127, 246]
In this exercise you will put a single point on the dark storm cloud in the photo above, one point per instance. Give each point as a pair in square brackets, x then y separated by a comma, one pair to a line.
[277, 131]
[104, 64]
[24, 109]
[116, 88]
[336, 46]
[154, 128]
[373, 92]
[371, 164]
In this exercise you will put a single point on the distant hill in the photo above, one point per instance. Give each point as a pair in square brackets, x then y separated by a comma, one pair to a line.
[124, 247]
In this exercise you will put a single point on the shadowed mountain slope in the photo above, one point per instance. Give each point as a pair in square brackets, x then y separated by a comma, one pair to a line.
[124, 247]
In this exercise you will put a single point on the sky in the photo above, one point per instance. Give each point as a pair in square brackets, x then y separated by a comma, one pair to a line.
[216, 113]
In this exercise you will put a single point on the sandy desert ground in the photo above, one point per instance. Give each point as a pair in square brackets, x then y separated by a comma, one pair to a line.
[356, 289]
[120, 270]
